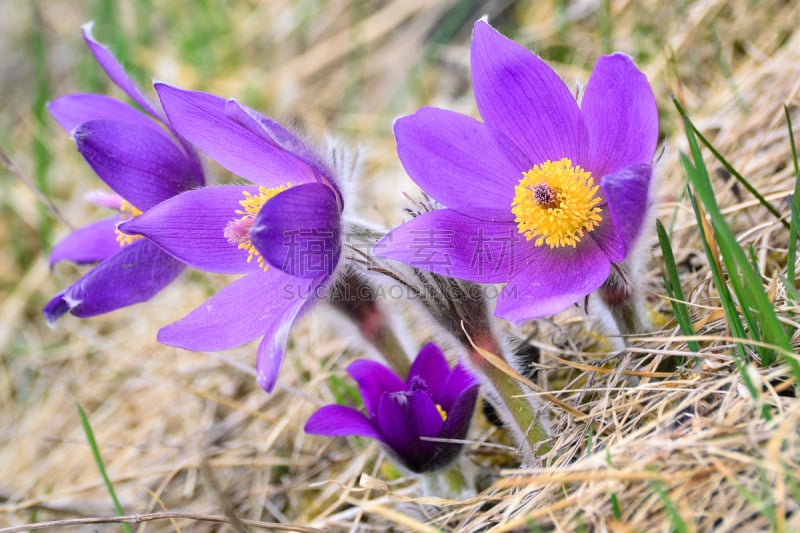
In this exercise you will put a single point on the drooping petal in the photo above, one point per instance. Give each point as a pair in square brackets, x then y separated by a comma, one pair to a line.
[295, 295]
[281, 138]
[137, 162]
[431, 367]
[552, 281]
[460, 163]
[339, 421]
[451, 244]
[373, 380]
[90, 244]
[458, 380]
[72, 110]
[201, 119]
[191, 227]
[134, 274]
[620, 114]
[240, 312]
[55, 308]
[521, 97]
[298, 231]
[627, 193]
[114, 70]
[404, 417]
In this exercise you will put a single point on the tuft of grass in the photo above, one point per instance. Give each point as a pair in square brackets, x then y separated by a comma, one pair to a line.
[754, 306]
[98, 459]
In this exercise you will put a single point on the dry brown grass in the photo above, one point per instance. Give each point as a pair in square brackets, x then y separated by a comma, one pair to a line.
[191, 432]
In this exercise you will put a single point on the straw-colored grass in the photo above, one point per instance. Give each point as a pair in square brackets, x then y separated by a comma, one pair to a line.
[191, 438]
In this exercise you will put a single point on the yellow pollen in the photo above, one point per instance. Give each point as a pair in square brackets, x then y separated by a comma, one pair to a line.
[127, 212]
[556, 204]
[238, 230]
[442, 412]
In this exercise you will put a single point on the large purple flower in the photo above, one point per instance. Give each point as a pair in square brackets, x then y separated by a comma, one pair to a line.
[434, 402]
[133, 153]
[284, 233]
[543, 194]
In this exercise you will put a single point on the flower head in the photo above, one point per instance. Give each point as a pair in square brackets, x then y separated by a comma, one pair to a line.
[283, 232]
[135, 156]
[435, 402]
[543, 194]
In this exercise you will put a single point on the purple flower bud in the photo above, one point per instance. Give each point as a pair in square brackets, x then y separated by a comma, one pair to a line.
[434, 401]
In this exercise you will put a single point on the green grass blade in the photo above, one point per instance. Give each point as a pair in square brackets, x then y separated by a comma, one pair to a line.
[100, 465]
[674, 291]
[791, 256]
[726, 301]
[724, 162]
[678, 524]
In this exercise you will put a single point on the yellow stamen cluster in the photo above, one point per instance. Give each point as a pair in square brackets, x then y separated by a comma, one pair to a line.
[556, 203]
[238, 230]
[127, 212]
[442, 412]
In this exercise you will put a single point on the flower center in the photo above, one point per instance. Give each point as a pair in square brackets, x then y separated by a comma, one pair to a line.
[127, 212]
[442, 412]
[238, 230]
[556, 204]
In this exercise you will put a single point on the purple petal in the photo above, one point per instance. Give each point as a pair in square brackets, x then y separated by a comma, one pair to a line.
[115, 72]
[201, 119]
[521, 97]
[627, 193]
[280, 138]
[608, 239]
[72, 110]
[460, 163]
[404, 417]
[339, 421]
[242, 311]
[451, 244]
[455, 427]
[138, 163]
[296, 296]
[553, 280]
[373, 380]
[620, 114]
[431, 367]
[191, 227]
[298, 231]
[459, 380]
[90, 244]
[134, 274]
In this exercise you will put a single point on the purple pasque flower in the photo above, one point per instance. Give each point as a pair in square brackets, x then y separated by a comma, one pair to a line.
[434, 402]
[283, 233]
[543, 194]
[143, 163]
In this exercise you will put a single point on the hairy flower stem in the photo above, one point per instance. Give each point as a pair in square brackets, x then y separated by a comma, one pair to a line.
[508, 396]
[625, 301]
[357, 299]
[450, 483]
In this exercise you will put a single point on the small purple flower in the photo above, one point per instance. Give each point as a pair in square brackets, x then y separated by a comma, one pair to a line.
[134, 155]
[434, 401]
[283, 233]
[543, 194]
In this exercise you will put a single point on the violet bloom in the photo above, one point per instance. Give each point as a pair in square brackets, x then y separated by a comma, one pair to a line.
[543, 194]
[135, 156]
[283, 233]
[434, 402]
